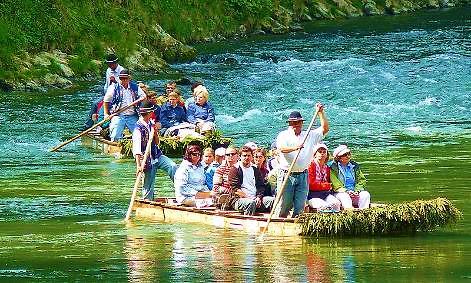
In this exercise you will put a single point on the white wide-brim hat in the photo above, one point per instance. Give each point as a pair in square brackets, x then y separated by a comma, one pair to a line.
[341, 150]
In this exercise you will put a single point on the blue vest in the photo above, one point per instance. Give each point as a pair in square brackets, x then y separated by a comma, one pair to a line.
[117, 98]
[155, 151]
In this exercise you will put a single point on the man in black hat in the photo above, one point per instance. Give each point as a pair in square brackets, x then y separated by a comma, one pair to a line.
[120, 95]
[111, 76]
[288, 143]
[156, 159]
[112, 73]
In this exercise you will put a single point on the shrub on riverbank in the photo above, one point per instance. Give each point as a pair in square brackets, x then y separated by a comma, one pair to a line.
[69, 39]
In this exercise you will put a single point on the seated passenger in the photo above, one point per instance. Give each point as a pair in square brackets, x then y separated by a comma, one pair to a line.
[320, 194]
[221, 182]
[211, 164]
[246, 182]
[190, 187]
[201, 112]
[171, 115]
[260, 160]
[347, 180]
[191, 99]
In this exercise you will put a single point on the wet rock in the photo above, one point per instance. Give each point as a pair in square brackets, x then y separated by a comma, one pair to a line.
[346, 8]
[172, 50]
[321, 10]
[258, 32]
[296, 27]
[230, 61]
[57, 81]
[242, 30]
[269, 57]
[5, 86]
[370, 8]
[183, 81]
[144, 60]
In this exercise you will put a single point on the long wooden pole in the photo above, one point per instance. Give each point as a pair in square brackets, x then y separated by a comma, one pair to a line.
[139, 174]
[285, 180]
[97, 124]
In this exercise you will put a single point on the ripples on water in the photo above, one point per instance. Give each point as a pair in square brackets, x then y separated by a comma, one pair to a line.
[397, 89]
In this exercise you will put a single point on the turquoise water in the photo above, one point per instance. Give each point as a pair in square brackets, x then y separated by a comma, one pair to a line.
[396, 89]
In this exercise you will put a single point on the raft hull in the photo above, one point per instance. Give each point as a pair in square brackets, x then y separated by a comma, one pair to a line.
[163, 210]
[96, 141]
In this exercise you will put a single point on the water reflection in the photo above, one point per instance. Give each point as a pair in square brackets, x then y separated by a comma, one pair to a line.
[188, 253]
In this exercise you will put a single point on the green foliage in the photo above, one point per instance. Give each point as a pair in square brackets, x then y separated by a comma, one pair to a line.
[173, 147]
[409, 217]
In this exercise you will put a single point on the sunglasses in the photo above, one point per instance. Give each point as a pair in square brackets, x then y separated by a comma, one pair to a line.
[346, 154]
[231, 154]
[195, 154]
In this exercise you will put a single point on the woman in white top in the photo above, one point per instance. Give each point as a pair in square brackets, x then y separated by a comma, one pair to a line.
[190, 185]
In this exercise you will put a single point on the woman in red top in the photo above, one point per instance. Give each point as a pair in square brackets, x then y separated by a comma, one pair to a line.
[320, 190]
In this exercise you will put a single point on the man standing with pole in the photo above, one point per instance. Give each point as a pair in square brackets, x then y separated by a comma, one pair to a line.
[120, 95]
[289, 142]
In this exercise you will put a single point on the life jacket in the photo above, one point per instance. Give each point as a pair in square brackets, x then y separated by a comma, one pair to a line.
[155, 151]
[314, 185]
[117, 98]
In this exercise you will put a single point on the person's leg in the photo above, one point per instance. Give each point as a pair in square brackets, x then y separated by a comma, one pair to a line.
[333, 202]
[131, 121]
[286, 200]
[364, 200]
[189, 202]
[246, 206]
[300, 194]
[267, 203]
[345, 199]
[317, 203]
[116, 128]
[167, 164]
[149, 181]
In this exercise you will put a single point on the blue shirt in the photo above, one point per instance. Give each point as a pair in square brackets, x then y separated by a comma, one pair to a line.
[171, 116]
[189, 179]
[209, 173]
[348, 175]
[204, 112]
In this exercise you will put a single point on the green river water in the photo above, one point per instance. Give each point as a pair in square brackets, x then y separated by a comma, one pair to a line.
[397, 90]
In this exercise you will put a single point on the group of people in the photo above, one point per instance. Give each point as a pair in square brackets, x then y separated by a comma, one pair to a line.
[239, 179]
[172, 116]
[243, 179]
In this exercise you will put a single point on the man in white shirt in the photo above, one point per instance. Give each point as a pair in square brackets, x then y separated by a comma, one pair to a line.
[112, 73]
[111, 76]
[247, 182]
[288, 143]
[120, 95]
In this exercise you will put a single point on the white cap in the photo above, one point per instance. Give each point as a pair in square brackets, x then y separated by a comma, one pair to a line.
[320, 145]
[253, 146]
[341, 150]
[220, 151]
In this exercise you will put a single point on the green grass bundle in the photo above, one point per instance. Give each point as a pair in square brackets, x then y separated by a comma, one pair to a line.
[173, 147]
[408, 217]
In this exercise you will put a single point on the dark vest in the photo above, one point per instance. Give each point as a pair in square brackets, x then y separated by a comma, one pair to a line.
[117, 98]
[155, 151]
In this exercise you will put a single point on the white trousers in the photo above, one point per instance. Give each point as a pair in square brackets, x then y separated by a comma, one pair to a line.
[329, 201]
[362, 201]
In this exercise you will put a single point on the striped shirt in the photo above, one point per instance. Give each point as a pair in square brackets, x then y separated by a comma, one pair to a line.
[221, 182]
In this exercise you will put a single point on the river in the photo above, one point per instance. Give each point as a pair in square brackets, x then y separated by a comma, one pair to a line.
[396, 89]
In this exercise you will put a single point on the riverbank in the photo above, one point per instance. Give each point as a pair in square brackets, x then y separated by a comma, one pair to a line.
[56, 45]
